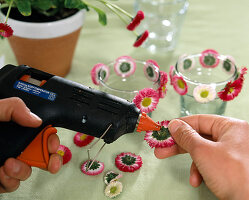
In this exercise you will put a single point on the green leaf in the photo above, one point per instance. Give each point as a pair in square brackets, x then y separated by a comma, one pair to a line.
[75, 4]
[101, 13]
[42, 4]
[24, 7]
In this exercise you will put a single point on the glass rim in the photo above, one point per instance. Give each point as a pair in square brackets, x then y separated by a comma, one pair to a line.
[219, 83]
[124, 91]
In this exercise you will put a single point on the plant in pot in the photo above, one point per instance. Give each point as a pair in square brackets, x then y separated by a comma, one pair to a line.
[44, 33]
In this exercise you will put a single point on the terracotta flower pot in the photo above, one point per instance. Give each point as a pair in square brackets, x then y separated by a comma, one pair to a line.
[47, 46]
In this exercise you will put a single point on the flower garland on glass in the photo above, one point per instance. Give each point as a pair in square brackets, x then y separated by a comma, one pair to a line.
[204, 93]
[146, 99]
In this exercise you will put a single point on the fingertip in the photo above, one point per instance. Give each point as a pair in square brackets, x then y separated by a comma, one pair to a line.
[55, 163]
[166, 152]
[195, 180]
[53, 143]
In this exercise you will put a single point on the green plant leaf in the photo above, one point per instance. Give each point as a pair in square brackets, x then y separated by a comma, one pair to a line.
[75, 4]
[101, 14]
[24, 7]
[42, 4]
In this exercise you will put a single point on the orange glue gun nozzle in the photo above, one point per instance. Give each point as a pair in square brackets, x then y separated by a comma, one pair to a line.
[147, 124]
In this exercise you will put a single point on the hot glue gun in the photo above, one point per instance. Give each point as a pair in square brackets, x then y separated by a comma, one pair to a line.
[61, 103]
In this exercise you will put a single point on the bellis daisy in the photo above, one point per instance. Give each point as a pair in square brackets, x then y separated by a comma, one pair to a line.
[141, 38]
[136, 21]
[128, 162]
[111, 176]
[81, 139]
[209, 58]
[204, 93]
[228, 64]
[162, 90]
[179, 85]
[125, 66]
[5, 30]
[160, 138]
[96, 168]
[113, 189]
[231, 90]
[151, 70]
[100, 70]
[146, 100]
[65, 153]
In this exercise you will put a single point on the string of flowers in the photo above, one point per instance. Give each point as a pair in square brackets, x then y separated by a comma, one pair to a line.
[49, 8]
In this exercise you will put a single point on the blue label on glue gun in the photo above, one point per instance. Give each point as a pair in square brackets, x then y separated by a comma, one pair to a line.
[31, 89]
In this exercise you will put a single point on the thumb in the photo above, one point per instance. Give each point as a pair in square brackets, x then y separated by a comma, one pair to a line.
[185, 136]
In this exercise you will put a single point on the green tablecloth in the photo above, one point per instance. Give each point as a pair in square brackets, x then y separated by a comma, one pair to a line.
[221, 25]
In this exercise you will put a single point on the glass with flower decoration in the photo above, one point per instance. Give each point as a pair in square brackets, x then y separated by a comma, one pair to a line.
[206, 81]
[139, 81]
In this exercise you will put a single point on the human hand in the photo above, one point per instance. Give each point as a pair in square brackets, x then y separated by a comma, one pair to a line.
[219, 147]
[14, 171]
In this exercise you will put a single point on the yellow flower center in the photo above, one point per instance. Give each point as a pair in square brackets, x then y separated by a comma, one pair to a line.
[204, 93]
[180, 84]
[113, 190]
[146, 101]
[83, 137]
[61, 153]
[230, 90]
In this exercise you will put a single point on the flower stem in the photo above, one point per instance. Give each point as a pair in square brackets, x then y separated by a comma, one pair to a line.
[8, 13]
[114, 11]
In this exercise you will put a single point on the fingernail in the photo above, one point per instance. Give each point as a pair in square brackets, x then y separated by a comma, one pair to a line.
[35, 117]
[174, 125]
[16, 167]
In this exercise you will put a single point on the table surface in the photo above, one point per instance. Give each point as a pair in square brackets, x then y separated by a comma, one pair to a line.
[221, 25]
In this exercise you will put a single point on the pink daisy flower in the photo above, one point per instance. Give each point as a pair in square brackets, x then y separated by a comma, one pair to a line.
[81, 139]
[171, 73]
[100, 71]
[111, 176]
[5, 30]
[146, 100]
[209, 58]
[179, 85]
[151, 70]
[228, 64]
[128, 162]
[136, 21]
[160, 138]
[231, 90]
[96, 168]
[125, 66]
[65, 153]
[141, 38]
[162, 90]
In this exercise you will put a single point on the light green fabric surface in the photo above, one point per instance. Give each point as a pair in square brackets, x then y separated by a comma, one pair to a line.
[221, 25]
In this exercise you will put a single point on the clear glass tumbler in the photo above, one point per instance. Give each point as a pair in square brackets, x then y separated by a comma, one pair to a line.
[163, 19]
[199, 78]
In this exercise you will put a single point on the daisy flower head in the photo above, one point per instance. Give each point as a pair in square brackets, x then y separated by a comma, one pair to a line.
[160, 138]
[113, 189]
[146, 100]
[141, 38]
[171, 73]
[162, 90]
[96, 168]
[180, 85]
[111, 176]
[151, 70]
[65, 153]
[125, 66]
[100, 71]
[135, 21]
[231, 90]
[5, 30]
[186, 64]
[209, 58]
[128, 162]
[81, 139]
[204, 93]
[228, 65]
